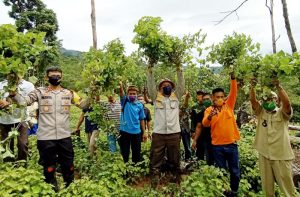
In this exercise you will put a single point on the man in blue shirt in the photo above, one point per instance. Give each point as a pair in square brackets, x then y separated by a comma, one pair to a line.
[132, 121]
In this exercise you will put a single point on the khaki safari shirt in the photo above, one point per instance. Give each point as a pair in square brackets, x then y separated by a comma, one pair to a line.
[54, 111]
[166, 109]
[272, 138]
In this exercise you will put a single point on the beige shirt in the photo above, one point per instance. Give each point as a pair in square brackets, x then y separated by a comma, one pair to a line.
[166, 109]
[166, 118]
[54, 111]
[272, 138]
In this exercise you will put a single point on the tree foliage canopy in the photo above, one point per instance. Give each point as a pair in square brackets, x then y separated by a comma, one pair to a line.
[34, 16]
[19, 52]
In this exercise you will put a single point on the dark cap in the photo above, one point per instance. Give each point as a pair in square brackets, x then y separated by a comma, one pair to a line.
[200, 92]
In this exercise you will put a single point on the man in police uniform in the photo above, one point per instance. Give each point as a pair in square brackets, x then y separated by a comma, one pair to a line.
[54, 133]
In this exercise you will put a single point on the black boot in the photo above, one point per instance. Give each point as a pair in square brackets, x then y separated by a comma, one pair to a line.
[68, 174]
[49, 173]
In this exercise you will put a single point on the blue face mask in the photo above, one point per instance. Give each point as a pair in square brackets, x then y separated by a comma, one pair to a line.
[132, 98]
[167, 90]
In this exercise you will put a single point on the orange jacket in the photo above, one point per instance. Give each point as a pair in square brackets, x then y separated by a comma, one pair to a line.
[223, 126]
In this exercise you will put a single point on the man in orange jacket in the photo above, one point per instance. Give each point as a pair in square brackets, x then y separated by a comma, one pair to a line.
[224, 132]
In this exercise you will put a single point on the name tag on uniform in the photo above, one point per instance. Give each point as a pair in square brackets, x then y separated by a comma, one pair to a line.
[65, 98]
[46, 97]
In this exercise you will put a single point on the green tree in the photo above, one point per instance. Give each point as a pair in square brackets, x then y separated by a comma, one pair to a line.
[34, 16]
[19, 53]
[149, 38]
[238, 53]
[71, 67]
[178, 51]
[135, 70]
[233, 50]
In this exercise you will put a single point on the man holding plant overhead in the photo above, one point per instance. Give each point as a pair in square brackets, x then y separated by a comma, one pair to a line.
[224, 132]
[272, 140]
[131, 123]
[166, 133]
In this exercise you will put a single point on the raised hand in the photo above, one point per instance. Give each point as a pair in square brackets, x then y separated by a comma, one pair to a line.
[120, 83]
[276, 83]
[212, 113]
[194, 145]
[232, 75]
[187, 94]
[253, 82]
[4, 103]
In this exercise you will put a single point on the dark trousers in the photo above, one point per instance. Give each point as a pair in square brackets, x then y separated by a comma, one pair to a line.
[165, 144]
[227, 157]
[22, 138]
[186, 140]
[57, 151]
[204, 150]
[134, 141]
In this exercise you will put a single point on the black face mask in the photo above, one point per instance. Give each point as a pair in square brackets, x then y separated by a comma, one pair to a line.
[54, 80]
[167, 90]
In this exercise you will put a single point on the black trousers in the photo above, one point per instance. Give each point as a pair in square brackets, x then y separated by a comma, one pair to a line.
[134, 141]
[204, 148]
[57, 151]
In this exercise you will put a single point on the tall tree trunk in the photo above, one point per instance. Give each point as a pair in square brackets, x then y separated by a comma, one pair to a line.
[271, 10]
[288, 26]
[93, 19]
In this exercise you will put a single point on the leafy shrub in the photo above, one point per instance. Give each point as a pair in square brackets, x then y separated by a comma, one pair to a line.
[296, 113]
[249, 158]
[206, 181]
[22, 182]
[85, 188]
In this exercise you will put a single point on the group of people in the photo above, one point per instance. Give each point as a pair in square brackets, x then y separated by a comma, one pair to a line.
[210, 124]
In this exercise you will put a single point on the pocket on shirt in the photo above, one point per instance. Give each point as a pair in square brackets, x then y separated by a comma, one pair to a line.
[46, 106]
[65, 106]
[276, 121]
[174, 104]
[159, 105]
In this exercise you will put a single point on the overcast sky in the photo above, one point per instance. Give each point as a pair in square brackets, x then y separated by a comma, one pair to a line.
[116, 19]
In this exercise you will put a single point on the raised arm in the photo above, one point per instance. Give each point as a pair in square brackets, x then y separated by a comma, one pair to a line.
[254, 102]
[25, 100]
[186, 99]
[231, 99]
[286, 104]
[147, 100]
[121, 89]
[151, 84]
[208, 115]
[78, 101]
[180, 83]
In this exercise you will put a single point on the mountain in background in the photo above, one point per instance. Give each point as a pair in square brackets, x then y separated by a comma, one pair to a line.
[70, 53]
[216, 69]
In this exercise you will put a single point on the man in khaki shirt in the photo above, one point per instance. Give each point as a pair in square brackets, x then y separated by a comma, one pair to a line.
[272, 140]
[166, 132]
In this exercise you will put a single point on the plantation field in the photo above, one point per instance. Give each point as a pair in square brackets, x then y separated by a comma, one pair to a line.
[30, 47]
[107, 175]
